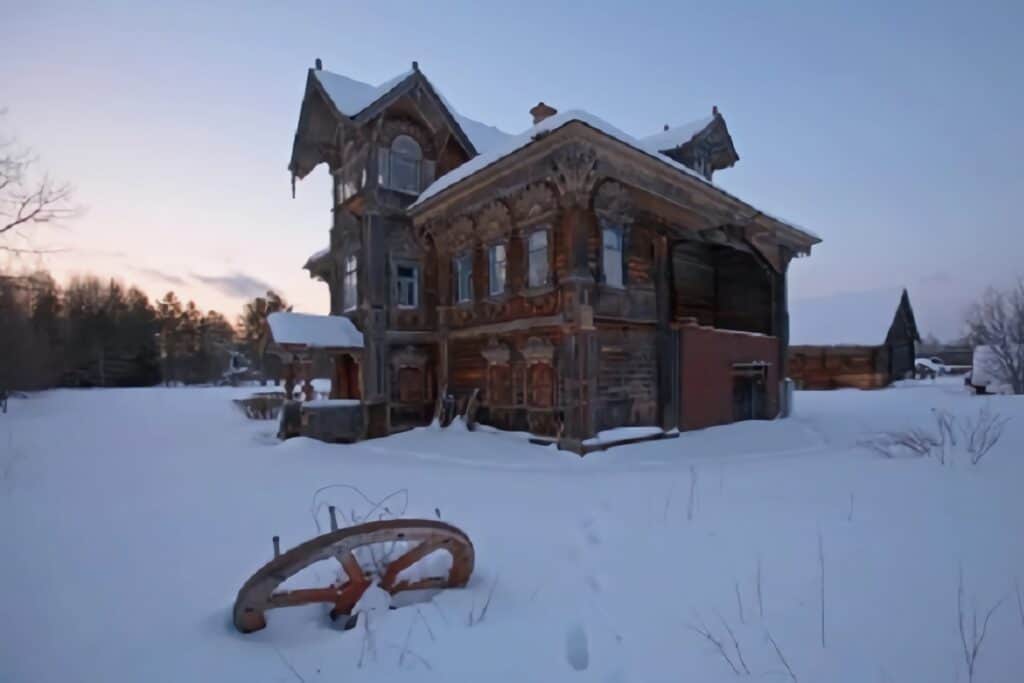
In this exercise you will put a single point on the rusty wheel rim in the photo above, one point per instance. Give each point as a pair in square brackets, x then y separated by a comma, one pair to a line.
[425, 536]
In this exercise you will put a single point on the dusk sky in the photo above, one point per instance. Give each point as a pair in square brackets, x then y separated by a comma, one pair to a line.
[893, 130]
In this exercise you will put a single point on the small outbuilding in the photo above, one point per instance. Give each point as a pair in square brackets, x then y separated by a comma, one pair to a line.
[295, 337]
[863, 340]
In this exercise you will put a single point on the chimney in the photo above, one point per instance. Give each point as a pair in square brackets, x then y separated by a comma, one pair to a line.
[415, 66]
[714, 110]
[319, 64]
[541, 112]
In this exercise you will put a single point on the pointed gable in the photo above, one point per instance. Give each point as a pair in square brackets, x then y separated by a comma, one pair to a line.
[332, 99]
[704, 145]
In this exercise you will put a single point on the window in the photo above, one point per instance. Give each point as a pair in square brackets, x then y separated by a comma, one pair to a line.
[407, 279]
[402, 167]
[496, 269]
[537, 257]
[463, 267]
[350, 292]
[611, 241]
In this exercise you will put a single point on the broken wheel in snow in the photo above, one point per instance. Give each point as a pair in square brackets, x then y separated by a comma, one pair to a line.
[417, 539]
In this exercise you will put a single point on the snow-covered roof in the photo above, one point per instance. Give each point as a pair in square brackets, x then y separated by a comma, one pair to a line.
[676, 136]
[844, 319]
[314, 331]
[317, 255]
[516, 142]
[351, 97]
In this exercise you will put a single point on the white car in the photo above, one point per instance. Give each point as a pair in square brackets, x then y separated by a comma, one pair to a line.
[930, 367]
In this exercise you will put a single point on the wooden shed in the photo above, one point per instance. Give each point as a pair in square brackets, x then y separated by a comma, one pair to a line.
[295, 337]
[864, 340]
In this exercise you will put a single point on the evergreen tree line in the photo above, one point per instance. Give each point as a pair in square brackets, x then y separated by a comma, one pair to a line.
[98, 332]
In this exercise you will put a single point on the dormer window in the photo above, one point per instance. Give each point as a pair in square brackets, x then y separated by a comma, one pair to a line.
[402, 166]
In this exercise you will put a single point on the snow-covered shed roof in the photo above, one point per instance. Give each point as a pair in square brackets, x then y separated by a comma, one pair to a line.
[844, 319]
[351, 97]
[676, 136]
[314, 331]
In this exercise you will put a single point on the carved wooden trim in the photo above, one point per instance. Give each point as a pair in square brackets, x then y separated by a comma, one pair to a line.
[496, 353]
[408, 357]
[613, 202]
[537, 350]
[494, 222]
[403, 243]
[575, 174]
[534, 203]
[456, 235]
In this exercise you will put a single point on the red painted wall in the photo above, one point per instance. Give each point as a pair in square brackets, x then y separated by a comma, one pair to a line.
[706, 368]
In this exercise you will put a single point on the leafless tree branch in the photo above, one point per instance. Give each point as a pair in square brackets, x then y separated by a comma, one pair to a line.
[971, 640]
[782, 658]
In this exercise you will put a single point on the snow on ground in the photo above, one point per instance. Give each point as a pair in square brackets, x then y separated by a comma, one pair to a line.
[130, 518]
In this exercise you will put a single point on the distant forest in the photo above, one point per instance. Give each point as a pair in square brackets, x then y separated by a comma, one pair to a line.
[100, 332]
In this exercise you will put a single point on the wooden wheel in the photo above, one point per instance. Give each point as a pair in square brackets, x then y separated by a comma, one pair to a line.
[422, 536]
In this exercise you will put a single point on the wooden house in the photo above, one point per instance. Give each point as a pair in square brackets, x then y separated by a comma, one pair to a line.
[864, 340]
[574, 278]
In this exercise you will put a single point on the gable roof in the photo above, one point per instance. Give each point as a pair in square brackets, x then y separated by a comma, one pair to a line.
[676, 136]
[351, 98]
[314, 331]
[549, 125]
[848, 318]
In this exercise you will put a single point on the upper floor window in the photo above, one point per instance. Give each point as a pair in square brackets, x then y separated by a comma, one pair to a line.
[407, 279]
[402, 166]
[537, 258]
[463, 267]
[349, 291]
[611, 246]
[496, 269]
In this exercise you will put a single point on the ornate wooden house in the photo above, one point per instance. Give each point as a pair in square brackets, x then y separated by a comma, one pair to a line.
[862, 340]
[575, 278]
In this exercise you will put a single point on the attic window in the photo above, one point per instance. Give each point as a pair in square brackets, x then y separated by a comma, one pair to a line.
[402, 166]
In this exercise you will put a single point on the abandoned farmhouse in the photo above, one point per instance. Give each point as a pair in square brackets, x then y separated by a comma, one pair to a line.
[569, 280]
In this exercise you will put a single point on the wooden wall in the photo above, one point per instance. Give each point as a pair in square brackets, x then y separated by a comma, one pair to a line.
[835, 367]
[627, 380]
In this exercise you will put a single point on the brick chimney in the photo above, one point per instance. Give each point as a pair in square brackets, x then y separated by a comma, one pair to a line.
[541, 112]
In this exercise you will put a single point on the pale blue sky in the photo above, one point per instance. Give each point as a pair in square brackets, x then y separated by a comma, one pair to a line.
[891, 129]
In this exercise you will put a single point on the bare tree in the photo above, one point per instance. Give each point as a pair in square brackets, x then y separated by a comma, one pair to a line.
[997, 322]
[28, 198]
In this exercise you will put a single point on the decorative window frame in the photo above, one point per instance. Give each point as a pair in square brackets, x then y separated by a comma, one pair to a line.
[615, 209]
[467, 254]
[348, 286]
[417, 267]
[536, 208]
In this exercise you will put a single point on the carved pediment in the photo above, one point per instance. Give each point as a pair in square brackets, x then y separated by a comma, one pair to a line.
[537, 350]
[457, 234]
[408, 357]
[613, 201]
[534, 202]
[496, 353]
[575, 174]
[494, 222]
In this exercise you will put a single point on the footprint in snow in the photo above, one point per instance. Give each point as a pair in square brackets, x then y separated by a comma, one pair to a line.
[577, 652]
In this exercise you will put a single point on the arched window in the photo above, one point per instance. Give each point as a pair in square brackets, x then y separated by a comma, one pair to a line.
[401, 165]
